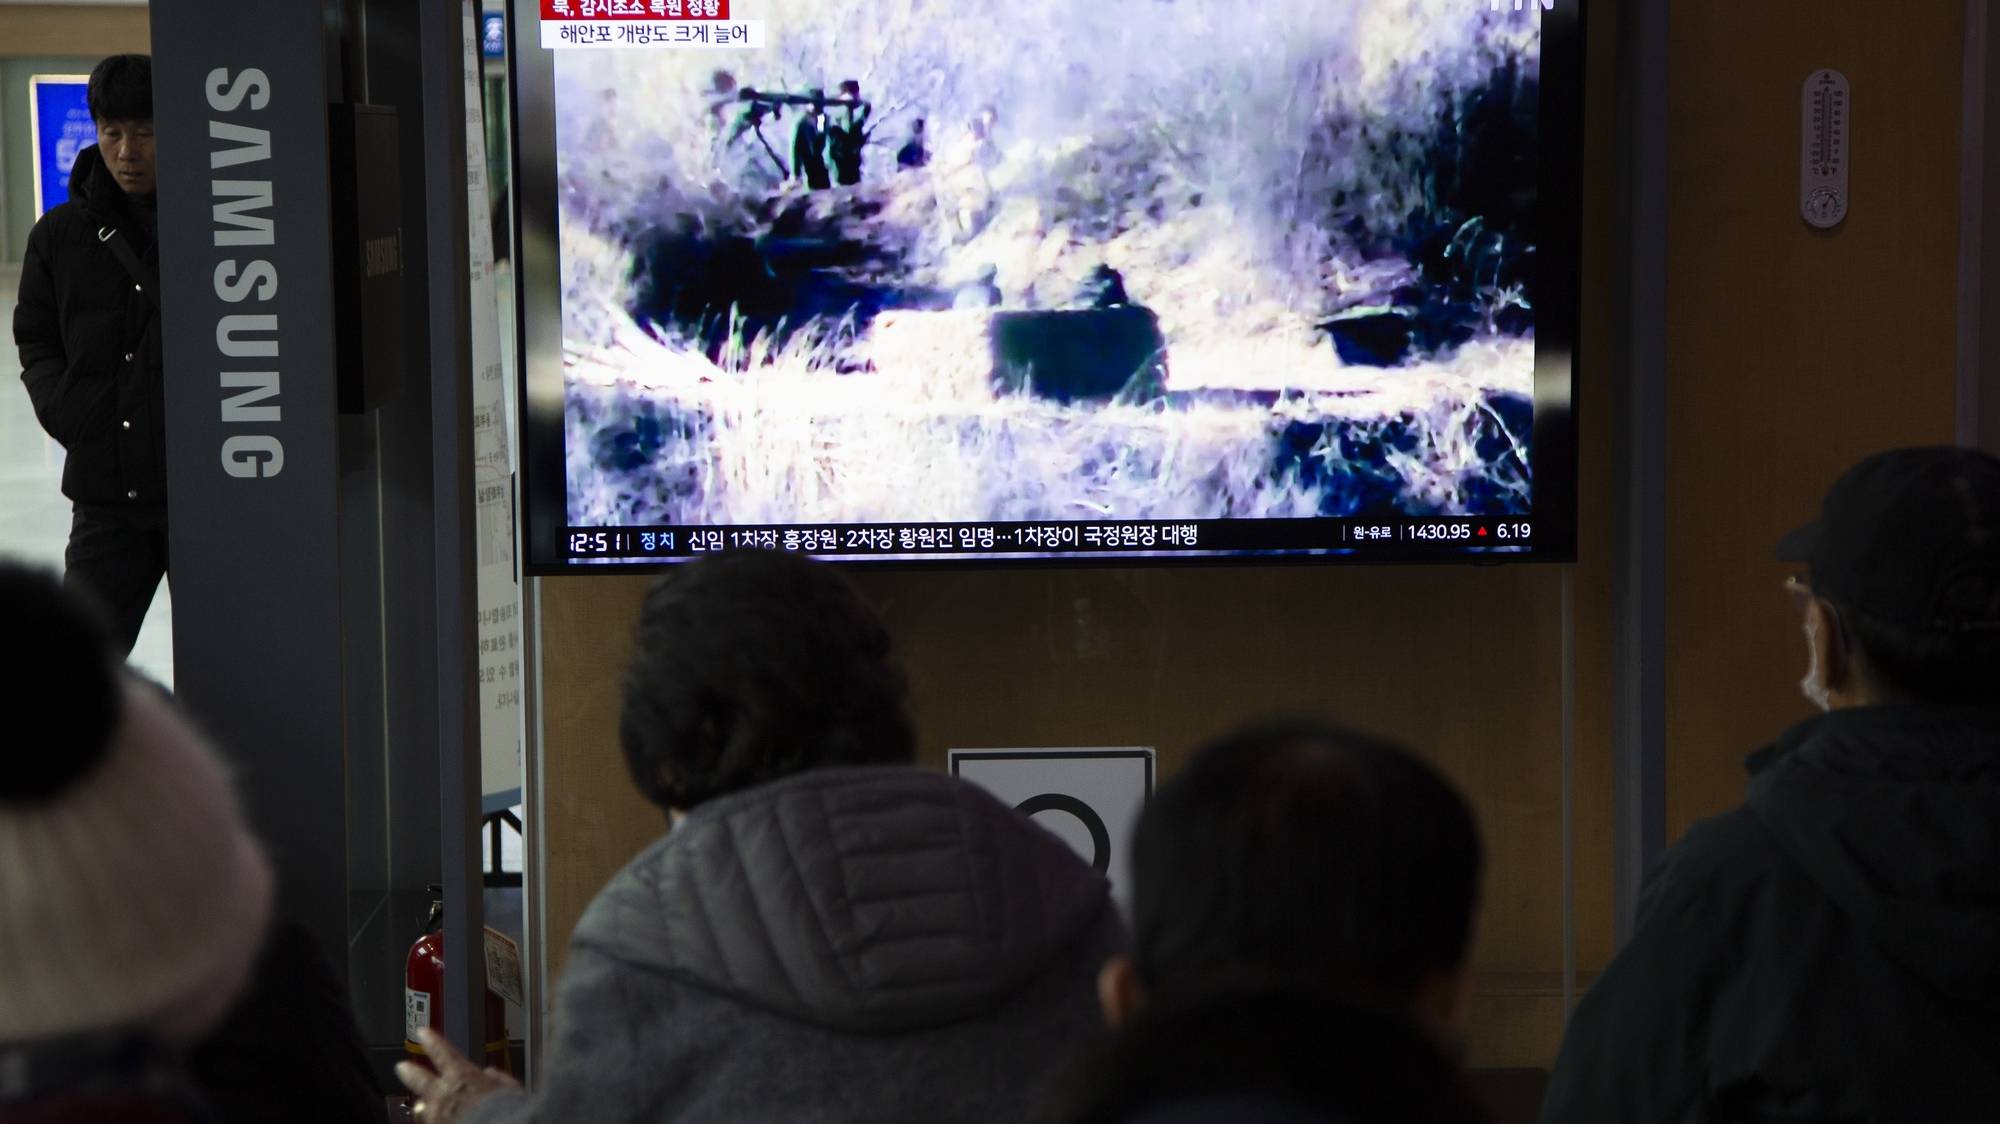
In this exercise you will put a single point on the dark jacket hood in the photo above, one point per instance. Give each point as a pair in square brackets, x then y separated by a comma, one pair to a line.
[864, 899]
[1895, 812]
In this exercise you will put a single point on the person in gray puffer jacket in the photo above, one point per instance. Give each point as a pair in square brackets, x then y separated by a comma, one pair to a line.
[826, 933]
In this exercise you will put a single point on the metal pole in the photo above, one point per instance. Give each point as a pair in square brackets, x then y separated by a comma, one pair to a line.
[534, 858]
[1568, 791]
[441, 33]
[1639, 627]
[1979, 235]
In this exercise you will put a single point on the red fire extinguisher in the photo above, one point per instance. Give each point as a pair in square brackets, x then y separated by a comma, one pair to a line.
[423, 993]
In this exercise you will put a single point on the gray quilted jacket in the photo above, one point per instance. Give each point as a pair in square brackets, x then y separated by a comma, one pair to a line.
[846, 945]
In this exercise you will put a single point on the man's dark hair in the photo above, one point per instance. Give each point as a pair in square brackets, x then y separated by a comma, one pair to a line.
[1948, 668]
[1299, 852]
[121, 89]
[755, 666]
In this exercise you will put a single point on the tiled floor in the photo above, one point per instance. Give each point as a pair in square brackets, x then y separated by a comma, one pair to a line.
[34, 517]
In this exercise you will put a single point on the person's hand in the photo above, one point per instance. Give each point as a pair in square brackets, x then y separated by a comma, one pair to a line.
[446, 1096]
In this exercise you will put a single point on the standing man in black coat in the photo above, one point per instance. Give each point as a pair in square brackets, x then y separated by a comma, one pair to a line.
[1830, 951]
[88, 326]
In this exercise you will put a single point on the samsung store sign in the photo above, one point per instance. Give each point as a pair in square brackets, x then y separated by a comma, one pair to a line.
[246, 336]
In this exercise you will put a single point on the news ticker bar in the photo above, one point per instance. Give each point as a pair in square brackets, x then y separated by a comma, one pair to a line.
[944, 539]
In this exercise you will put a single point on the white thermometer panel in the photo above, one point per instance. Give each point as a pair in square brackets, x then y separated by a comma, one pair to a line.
[1823, 149]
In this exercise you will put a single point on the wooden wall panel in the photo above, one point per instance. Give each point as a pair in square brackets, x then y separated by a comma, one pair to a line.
[1460, 662]
[81, 30]
[594, 821]
[1597, 368]
[1792, 352]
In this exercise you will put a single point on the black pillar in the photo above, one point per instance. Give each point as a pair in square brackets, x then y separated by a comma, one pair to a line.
[322, 562]
[252, 433]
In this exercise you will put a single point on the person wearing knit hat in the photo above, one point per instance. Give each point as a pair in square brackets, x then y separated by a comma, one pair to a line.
[133, 897]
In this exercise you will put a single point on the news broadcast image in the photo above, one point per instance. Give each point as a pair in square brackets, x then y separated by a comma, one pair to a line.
[1076, 263]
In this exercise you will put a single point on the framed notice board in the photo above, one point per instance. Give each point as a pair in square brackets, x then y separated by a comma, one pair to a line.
[59, 119]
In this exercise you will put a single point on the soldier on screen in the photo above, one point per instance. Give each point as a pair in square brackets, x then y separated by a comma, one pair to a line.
[914, 153]
[985, 136]
[809, 145]
[849, 135]
[727, 123]
[1104, 288]
[722, 95]
[969, 171]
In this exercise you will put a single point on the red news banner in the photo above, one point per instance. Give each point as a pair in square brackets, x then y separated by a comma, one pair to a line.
[648, 10]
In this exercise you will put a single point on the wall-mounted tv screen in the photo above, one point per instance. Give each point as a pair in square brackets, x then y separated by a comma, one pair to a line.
[970, 281]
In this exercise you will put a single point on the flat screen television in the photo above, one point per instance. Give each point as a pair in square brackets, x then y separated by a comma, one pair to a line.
[1004, 281]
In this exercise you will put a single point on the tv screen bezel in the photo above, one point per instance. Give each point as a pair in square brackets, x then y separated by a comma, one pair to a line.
[542, 485]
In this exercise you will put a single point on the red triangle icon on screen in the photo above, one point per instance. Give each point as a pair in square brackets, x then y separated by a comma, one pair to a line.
[1482, 532]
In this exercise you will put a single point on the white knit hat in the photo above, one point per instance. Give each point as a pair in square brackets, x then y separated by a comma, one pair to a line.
[132, 894]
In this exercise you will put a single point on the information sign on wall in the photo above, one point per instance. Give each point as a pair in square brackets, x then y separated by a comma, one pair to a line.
[59, 118]
[1090, 798]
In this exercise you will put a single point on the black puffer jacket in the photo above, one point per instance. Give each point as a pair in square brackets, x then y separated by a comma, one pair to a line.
[90, 341]
[1828, 952]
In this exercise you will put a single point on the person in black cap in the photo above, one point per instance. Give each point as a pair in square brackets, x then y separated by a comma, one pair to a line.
[1831, 950]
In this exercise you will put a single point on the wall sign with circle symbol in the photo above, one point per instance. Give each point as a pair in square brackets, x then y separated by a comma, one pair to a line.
[1100, 836]
[1089, 798]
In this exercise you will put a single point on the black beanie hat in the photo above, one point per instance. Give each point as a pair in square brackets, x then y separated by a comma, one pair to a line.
[60, 690]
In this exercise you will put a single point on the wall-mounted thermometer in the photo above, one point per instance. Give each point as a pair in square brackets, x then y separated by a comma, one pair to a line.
[1823, 152]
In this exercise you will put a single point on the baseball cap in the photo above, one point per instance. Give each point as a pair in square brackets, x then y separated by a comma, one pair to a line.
[1910, 538]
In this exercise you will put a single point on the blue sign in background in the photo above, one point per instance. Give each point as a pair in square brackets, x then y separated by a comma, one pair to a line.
[62, 129]
[493, 36]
